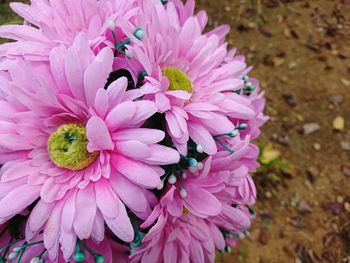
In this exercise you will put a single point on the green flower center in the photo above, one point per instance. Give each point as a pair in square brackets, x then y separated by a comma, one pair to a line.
[178, 80]
[67, 147]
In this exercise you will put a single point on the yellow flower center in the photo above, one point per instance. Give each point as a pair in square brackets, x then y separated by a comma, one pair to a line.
[67, 147]
[178, 80]
[186, 211]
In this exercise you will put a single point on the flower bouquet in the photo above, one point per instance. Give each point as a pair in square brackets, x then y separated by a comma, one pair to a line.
[125, 134]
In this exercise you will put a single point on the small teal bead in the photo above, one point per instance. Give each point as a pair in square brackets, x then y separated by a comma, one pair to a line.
[193, 162]
[233, 134]
[251, 88]
[242, 126]
[99, 259]
[139, 33]
[143, 74]
[79, 256]
[228, 249]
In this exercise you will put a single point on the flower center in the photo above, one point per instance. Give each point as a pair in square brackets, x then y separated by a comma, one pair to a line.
[178, 80]
[67, 147]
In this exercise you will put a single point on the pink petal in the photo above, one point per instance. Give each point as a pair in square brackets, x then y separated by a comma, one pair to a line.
[162, 155]
[170, 252]
[15, 201]
[202, 136]
[22, 32]
[134, 149]
[68, 212]
[39, 215]
[121, 115]
[50, 190]
[98, 231]
[85, 212]
[196, 251]
[130, 194]
[162, 102]
[68, 241]
[101, 102]
[148, 136]
[52, 227]
[16, 171]
[5, 188]
[145, 109]
[98, 135]
[116, 91]
[121, 225]
[97, 73]
[106, 199]
[202, 201]
[136, 171]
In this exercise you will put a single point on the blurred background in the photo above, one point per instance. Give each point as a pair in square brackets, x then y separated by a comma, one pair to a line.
[300, 51]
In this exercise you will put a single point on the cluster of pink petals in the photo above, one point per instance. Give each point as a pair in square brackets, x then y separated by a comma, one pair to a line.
[112, 251]
[173, 167]
[76, 203]
[206, 111]
[50, 23]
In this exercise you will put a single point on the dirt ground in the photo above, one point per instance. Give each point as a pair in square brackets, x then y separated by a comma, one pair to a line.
[300, 51]
[301, 54]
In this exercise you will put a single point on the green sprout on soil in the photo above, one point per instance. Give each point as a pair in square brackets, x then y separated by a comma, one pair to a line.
[272, 166]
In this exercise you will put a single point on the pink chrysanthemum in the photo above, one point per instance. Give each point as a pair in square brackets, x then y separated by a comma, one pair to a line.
[184, 239]
[220, 179]
[188, 238]
[77, 148]
[203, 207]
[49, 23]
[189, 78]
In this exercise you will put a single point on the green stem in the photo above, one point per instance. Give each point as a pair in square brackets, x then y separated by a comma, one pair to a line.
[9, 245]
[21, 254]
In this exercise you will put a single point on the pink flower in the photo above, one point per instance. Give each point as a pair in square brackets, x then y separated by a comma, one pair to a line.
[77, 148]
[179, 239]
[221, 179]
[55, 22]
[189, 78]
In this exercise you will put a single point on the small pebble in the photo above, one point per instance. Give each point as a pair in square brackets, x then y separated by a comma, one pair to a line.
[268, 195]
[335, 99]
[312, 173]
[277, 62]
[310, 128]
[292, 65]
[339, 123]
[340, 199]
[300, 118]
[347, 206]
[345, 146]
[304, 207]
[290, 99]
[346, 82]
[317, 146]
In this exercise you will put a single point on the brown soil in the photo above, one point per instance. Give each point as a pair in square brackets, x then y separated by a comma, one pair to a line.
[300, 51]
